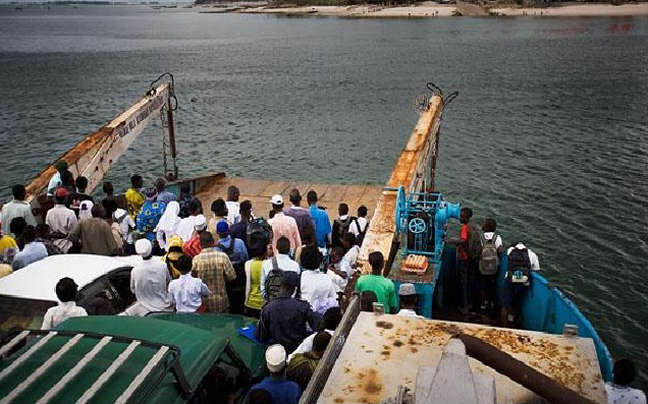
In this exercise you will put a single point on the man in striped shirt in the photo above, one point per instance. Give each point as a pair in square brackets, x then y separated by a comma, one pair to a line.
[214, 268]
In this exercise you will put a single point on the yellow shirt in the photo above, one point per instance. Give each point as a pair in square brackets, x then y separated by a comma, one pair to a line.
[134, 202]
[253, 270]
[8, 248]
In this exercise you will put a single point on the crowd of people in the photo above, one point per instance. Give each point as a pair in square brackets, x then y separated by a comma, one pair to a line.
[288, 271]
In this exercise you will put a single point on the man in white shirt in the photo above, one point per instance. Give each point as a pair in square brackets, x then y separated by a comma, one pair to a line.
[316, 287]
[17, 207]
[331, 320]
[232, 204]
[408, 300]
[284, 262]
[351, 248]
[66, 292]
[149, 281]
[61, 220]
[521, 262]
[359, 226]
[187, 292]
[32, 252]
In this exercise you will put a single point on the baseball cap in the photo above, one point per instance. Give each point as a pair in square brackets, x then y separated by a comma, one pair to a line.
[143, 247]
[201, 223]
[276, 200]
[61, 192]
[290, 278]
[275, 358]
[222, 227]
[406, 289]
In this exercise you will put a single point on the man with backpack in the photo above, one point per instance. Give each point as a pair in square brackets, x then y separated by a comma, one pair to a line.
[235, 250]
[341, 225]
[274, 268]
[488, 264]
[521, 261]
[360, 225]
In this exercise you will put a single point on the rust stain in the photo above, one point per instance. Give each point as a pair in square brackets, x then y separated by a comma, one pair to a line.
[338, 400]
[371, 386]
[398, 343]
[384, 324]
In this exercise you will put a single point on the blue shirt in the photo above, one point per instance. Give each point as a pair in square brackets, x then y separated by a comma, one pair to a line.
[239, 254]
[32, 252]
[148, 219]
[282, 391]
[322, 224]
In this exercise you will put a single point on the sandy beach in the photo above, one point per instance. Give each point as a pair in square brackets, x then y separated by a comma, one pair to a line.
[434, 10]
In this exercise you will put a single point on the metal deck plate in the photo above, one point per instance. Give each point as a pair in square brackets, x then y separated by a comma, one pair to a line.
[383, 352]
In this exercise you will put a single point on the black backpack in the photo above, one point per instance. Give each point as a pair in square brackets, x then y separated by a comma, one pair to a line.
[259, 234]
[273, 281]
[519, 267]
[361, 233]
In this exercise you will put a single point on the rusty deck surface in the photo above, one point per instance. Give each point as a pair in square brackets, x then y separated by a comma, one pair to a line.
[383, 352]
[260, 191]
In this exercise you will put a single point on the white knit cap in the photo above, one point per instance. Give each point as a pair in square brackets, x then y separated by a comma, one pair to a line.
[200, 223]
[275, 358]
[406, 289]
[143, 247]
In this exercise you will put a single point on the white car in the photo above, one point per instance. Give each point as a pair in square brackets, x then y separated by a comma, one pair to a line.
[104, 287]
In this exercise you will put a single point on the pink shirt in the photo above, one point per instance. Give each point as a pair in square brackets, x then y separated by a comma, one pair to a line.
[284, 226]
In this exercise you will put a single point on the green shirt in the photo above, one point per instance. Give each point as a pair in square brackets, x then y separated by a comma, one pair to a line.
[382, 287]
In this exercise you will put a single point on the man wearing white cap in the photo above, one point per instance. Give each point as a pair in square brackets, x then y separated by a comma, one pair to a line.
[192, 246]
[149, 282]
[408, 300]
[281, 390]
[283, 226]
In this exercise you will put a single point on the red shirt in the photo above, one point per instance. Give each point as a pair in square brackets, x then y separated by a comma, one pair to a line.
[461, 248]
[192, 247]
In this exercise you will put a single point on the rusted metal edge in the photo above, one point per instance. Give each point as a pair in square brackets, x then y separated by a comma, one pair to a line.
[407, 172]
[84, 157]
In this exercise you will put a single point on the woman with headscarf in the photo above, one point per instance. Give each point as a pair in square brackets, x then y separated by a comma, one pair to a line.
[85, 210]
[168, 224]
[174, 251]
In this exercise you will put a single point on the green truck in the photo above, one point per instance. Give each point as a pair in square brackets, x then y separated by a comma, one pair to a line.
[164, 358]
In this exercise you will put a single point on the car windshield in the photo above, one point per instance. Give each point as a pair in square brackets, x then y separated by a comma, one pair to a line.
[22, 313]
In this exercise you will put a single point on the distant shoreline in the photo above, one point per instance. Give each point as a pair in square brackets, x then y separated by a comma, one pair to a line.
[433, 10]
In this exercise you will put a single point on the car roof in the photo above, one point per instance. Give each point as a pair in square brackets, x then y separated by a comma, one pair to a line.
[198, 349]
[38, 280]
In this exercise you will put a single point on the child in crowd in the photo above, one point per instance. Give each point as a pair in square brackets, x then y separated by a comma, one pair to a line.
[339, 269]
[66, 292]
[187, 292]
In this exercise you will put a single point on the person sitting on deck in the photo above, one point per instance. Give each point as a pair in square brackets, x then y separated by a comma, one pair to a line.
[301, 215]
[185, 199]
[95, 234]
[17, 207]
[285, 319]
[302, 365]
[187, 292]
[408, 300]
[239, 229]
[281, 390]
[134, 196]
[32, 252]
[320, 219]
[61, 220]
[193, 247]
[619, 391]
[66, 292]
[283, 263]
[214, 268]
[163, 195]
[317, 288]
[232, 204]
[341, 225]
[521, 261]
[330, 322]
[149, 282]
[377, 283]
[55, 181]
[359, 226]
[283, 226]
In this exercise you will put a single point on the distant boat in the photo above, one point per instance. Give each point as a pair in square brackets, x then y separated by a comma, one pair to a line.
[18, 8]
[156, 7]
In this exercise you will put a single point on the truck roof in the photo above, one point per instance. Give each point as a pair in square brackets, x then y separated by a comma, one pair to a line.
[142, 351]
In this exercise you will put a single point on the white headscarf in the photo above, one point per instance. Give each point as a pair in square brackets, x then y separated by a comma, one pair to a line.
[169, 220]
[85, 209]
